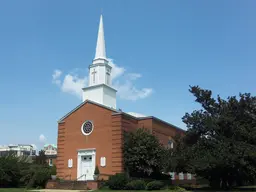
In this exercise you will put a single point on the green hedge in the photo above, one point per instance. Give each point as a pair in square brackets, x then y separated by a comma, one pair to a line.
[19, 172]
[136, 185]
[177, 189]
[118, 181]
[154, 185]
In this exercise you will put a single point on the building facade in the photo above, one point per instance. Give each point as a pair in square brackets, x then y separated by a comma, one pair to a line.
[18, 150]
[92, 134]
[50, 151]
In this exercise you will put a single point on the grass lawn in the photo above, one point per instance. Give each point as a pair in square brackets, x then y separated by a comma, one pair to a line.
[12, 190]
[24, 190]
[130, 190]
[106, 190]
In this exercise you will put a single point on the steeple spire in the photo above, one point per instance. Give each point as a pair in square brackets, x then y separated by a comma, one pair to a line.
[100, 88]
[100, 48]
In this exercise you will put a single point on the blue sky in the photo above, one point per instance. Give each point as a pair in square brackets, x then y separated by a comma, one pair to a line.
[164, 45]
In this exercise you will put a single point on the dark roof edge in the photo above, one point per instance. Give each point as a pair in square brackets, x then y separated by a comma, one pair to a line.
[150, 117]
[126, 114]
[162, 121]
[80, 105]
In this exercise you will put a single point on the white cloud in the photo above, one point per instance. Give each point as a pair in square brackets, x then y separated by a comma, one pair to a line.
[134, 76]
[116, 70]
[128, 91]
[42, 138]
[55, 77]
[122, 81]
[73, 84]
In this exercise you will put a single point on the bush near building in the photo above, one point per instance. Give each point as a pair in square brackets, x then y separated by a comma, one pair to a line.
[21, 172]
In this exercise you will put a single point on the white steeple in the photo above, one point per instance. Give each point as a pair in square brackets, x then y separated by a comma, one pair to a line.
[99, 89]
[100, 48]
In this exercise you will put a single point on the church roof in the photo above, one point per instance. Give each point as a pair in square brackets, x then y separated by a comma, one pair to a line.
[150, 117]
[82, 104]
[117, 112]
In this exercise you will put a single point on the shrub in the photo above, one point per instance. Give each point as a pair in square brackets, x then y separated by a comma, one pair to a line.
[177, 189]
[118, 181]
[136, 185]
[53, 170]
[189, 186]
[154, 185]
[96, 171]
[11, 168]
[36, 176]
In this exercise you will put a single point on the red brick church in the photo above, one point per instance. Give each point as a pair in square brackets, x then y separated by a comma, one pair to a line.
[92, 133]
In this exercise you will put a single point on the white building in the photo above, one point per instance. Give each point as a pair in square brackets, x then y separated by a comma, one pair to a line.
[18, 150]
[50, 151]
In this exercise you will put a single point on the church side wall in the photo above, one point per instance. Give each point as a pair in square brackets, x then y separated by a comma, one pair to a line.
[117, 144]
[60, 154]
[146, 124]
[164, 132]
[120, 123]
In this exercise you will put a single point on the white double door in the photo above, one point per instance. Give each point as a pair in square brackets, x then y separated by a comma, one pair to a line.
[87, 168]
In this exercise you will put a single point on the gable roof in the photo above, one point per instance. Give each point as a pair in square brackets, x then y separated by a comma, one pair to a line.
[46, 145]
[117, 112]
[82, 104]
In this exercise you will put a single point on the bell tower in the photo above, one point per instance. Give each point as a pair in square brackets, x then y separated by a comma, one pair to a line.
[100, 88]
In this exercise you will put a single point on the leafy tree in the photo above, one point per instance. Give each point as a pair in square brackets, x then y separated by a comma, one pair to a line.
[36, 175]
[20, 171]
[10, 170]
[143, 154]
[41, 158]
[176, 158]
[220, 144]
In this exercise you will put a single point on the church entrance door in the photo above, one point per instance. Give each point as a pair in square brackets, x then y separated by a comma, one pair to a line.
[87, 168]
[85, 164]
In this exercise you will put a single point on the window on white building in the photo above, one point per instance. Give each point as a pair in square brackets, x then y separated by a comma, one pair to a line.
[50, 162]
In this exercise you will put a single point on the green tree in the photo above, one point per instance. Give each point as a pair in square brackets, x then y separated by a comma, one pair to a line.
[41, 158]
[36, 175]
[220, 143]
[177, 158]
[143, 154]
[20, 171]
[11, 168]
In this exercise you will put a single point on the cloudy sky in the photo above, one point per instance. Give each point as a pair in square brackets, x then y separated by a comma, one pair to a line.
[157, 49]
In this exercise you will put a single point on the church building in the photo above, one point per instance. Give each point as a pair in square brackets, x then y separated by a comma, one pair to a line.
[91, 134]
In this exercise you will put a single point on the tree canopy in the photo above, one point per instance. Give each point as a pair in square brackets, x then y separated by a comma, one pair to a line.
[143, 154]
[220, 143]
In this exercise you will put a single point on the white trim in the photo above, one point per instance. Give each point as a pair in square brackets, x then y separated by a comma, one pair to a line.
[103, 161]
[189, 176]
[86, 134]
[80, 154]
[181, 176]
[50, 162]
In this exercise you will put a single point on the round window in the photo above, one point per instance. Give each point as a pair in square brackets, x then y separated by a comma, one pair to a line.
[87, 128]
